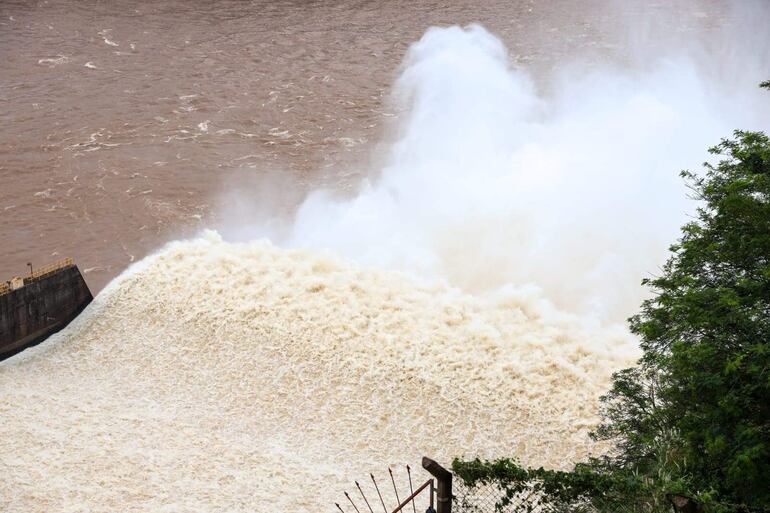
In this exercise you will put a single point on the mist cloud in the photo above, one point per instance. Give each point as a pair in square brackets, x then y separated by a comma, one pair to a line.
[496, 186]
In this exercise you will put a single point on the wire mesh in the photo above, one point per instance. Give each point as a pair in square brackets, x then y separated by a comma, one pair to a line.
[491, 498]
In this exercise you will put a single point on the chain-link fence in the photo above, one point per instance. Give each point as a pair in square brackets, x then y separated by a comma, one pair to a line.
[491, 498]
[495, 497]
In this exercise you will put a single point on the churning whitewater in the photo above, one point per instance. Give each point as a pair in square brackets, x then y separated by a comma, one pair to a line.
[243, 377]
[427, 315]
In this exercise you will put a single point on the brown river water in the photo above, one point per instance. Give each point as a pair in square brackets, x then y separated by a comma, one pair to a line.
[121, 126]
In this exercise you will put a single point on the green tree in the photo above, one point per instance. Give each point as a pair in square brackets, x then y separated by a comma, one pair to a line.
[693, 417]
[706, 337]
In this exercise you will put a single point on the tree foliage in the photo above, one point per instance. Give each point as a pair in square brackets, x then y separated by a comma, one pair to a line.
[706, 336]
[590, 487]
[693, 416]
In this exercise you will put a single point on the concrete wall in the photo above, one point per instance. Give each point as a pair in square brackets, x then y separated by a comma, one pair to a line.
[39, 308]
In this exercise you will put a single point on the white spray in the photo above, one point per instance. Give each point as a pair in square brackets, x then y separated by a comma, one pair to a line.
[491, 185]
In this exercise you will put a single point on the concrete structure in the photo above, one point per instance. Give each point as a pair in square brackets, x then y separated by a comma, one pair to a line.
[40, 305]
[16, 283]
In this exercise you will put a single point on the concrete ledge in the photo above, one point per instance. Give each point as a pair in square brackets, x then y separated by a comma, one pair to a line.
[40, 308]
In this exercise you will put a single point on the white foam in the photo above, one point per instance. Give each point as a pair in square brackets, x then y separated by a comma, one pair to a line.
[54, 61]
[220, 376]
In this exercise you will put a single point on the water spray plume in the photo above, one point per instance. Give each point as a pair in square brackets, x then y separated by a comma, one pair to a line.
[495, 187]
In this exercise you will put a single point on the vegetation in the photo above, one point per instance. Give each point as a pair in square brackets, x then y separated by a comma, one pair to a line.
[693, 417]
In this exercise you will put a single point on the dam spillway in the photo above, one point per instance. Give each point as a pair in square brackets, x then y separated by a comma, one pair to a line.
[35, 307]
[221, 376]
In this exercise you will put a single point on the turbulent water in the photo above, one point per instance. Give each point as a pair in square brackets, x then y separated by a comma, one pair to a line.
[465, 299]
[243, 377]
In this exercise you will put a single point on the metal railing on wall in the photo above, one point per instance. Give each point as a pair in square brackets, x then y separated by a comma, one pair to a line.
[40, 272]
[36, 274]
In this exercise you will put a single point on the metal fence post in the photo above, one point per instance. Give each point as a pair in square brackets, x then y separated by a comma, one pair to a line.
[443, 485]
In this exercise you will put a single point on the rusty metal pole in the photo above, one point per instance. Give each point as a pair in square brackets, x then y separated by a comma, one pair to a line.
[379, 494]
[443, 485]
